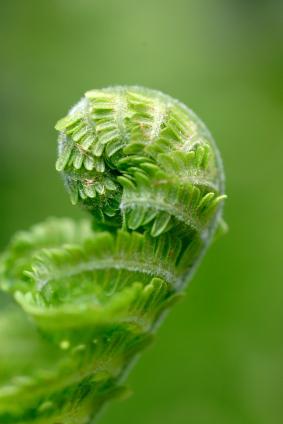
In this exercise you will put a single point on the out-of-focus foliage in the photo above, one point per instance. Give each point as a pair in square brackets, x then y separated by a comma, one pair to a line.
[219, 356]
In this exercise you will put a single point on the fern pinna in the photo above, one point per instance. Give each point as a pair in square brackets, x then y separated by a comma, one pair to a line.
[82, 299]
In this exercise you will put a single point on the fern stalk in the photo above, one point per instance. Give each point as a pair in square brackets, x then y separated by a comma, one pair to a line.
[86, 297]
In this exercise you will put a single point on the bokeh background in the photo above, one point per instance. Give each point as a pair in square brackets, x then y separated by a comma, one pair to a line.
[219, 356]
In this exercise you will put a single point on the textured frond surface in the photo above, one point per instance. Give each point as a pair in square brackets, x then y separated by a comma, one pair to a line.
[124, 147]
[96, 297]
[86, 297]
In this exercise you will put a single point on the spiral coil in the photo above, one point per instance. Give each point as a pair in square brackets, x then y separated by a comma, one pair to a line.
[149, 173]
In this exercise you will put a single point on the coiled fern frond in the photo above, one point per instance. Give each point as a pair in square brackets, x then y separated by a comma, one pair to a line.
[90, 294]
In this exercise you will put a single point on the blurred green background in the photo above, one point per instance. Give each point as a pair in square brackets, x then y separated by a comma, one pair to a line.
[219, 356]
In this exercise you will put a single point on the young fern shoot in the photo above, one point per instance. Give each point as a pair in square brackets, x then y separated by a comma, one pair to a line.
[90, 293]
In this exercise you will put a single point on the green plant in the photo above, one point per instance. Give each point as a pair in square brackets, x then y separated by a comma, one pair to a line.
[91, 293]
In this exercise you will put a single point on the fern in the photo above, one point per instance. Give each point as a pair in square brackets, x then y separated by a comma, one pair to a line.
[84, 298]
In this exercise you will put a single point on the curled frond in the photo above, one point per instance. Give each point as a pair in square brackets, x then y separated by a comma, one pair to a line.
[125, 147]
[86, 297]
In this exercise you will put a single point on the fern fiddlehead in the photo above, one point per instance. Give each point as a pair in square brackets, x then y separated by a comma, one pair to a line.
[149, 173]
